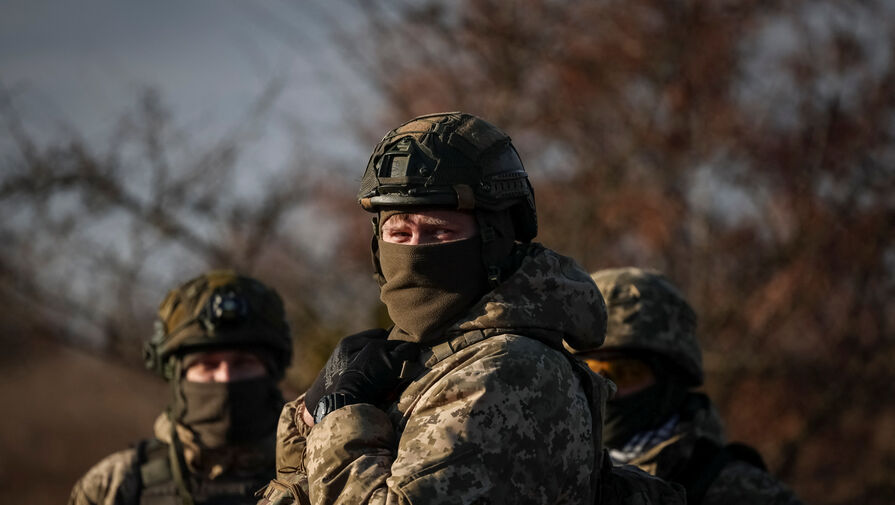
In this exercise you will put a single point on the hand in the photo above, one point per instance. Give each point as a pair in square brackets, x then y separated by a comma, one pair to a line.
[344, 352]
[370, 377]
[375, 370]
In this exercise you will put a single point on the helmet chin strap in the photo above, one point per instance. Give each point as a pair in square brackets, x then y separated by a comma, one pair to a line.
[496, 230]
[176, 457]
[374, 248]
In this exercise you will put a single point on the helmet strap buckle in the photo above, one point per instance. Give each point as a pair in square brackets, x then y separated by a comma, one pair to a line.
[488, 234]
[493, 276]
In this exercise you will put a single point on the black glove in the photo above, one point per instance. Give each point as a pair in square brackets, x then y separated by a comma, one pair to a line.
[344, 352]
[370, 377]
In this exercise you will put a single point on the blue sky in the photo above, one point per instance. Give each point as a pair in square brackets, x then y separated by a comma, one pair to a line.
[84, 63]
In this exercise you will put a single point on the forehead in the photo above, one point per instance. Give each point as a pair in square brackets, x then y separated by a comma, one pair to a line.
[219, 355]
[430, 216]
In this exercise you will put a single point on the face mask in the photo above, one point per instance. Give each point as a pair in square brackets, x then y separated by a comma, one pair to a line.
[640, 411]
[226, 413]
[428, 287]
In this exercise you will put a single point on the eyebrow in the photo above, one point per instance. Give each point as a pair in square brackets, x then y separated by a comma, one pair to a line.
[399, 219]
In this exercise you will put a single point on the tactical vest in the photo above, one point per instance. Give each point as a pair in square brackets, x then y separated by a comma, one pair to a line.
[157, 485]
[707, 461]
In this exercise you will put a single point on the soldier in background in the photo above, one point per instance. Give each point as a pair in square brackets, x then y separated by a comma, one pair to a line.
[470, 397]
[223, 343]
[655, 421]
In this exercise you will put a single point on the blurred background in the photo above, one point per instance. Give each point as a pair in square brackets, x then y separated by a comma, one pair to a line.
[745, 148]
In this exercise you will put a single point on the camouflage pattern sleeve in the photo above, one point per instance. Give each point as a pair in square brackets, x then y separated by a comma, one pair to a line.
[291, 436]
[499, 414]
[740, 483]
[349, 456]
[291, 483]
[113, 481]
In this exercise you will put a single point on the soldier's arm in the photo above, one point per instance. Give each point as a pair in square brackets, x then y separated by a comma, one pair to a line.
[484, 431]
[291, 483]
[112, 481]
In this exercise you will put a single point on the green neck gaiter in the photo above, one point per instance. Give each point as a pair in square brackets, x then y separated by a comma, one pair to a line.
[640, 411]
[228, 413]
[428, 287]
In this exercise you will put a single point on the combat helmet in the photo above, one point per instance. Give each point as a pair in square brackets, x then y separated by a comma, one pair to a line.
[647, 313]
[219, 309]
[457, 161]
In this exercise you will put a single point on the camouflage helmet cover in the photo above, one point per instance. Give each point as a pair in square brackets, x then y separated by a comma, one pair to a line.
[648, 313]
[220, 309]
[454, 160]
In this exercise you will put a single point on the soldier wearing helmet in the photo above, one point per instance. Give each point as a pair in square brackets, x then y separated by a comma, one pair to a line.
[470, 395]
[655, 421]
[223, 343]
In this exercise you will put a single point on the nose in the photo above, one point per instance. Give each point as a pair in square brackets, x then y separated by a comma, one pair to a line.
[223, 373]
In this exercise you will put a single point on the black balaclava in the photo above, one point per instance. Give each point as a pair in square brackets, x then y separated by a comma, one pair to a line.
[645, 409]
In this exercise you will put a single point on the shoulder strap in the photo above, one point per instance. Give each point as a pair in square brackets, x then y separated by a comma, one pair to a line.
[445, 349]
[706, 463]
[152, 459]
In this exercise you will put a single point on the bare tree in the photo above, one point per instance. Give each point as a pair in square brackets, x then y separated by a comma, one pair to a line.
[745, 148]
[95, 237]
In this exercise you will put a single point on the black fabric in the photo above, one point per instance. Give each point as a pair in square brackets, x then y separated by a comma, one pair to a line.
[226, 413]
[707, 462]
[641, 411]
[629, 484]
[344, 352]
[374, 374]
[498, 239]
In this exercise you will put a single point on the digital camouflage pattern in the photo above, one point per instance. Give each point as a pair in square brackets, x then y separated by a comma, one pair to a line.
[483, 421]
[647, 313]
[116, 479]
[739, 483]
[113, 481]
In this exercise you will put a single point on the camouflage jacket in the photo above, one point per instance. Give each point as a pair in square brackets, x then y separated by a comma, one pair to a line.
[116, 480]
[495, 407]
[738, 481]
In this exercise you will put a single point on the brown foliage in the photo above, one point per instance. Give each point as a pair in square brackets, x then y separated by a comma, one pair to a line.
[744, 148]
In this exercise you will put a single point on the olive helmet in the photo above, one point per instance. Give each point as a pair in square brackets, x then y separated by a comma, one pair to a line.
[219, 309]
[648, 314]
[452, 160]
[455, 161]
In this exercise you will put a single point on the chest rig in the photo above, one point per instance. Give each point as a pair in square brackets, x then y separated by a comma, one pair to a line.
[158, 486]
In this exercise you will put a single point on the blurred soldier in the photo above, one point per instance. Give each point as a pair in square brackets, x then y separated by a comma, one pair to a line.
[223, 343]
[655, 421]
[470, 397]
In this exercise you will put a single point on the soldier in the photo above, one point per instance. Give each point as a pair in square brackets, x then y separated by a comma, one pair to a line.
[655, 421]
[470, 397]
[223, 343]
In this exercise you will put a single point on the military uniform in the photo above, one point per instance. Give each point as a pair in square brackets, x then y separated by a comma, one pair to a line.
[142, 475]
[697, 439]
[215, 444]
[488, 413]
[680, 438]
[494, 400]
